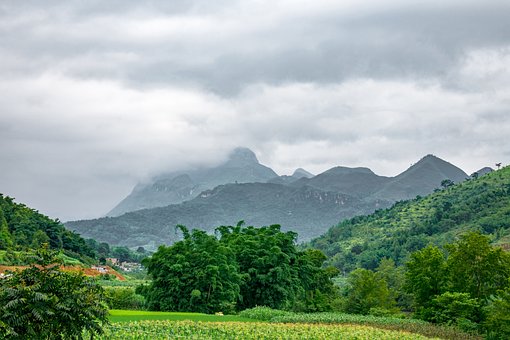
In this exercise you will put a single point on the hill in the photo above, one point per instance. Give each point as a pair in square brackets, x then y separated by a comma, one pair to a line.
[23, 228]
[172, 188]
[308, 206]
[477, 204]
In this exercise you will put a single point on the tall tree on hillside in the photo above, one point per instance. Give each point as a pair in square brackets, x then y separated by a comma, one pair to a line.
[426, 275]
[476, 267]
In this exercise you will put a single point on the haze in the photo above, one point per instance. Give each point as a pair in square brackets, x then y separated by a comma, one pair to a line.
[97, 96]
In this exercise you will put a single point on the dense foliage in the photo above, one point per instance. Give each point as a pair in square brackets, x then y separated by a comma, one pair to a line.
[481, 204]
[43, 302]
[465, 285]
[240, 268]
[23, 228]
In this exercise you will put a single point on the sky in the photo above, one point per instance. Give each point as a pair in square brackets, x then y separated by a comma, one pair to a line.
[98, 95]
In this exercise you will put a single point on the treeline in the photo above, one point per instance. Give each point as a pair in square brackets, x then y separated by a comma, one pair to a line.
[238, 268]
[466, 284]
[480, 204]
[23, 229]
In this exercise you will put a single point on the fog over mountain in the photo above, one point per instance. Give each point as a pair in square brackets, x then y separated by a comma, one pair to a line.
[101, 95]
[306, 205]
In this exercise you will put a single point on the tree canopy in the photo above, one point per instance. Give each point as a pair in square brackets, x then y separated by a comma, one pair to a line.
[241, 267]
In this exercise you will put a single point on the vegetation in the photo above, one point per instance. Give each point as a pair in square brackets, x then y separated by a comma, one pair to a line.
[244, 267]
[137, 315]
[393, 323]
[481, 204]
[23, 229]
[43, 302]
[243, 330]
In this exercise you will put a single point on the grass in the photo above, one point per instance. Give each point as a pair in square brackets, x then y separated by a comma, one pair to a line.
[117, 315]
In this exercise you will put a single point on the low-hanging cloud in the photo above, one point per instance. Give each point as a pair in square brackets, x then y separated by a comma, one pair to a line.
[98, 96]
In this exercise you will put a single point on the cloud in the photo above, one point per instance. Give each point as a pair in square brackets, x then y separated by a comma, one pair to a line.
[100, 95]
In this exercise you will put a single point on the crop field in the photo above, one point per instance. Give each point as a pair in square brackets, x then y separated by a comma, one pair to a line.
[266, 323]
[156, 330]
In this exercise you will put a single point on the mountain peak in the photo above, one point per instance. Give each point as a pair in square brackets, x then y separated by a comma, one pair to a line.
[300, 173]
[242, 156]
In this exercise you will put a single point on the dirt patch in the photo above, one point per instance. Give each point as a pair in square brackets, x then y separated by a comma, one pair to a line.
[86, 271]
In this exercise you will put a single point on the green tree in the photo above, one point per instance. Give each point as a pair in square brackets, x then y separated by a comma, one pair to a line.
[367, 290]
[426, 275]
[497, 322]
[318, 290]
[42, 302]
[39, 238]
[395, 278]
[5, 236]
[476, 267]
[267, 259]
[197, 274]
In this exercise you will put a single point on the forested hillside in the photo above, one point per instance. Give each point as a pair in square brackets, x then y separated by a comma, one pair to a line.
[23, 228]
[481, 204]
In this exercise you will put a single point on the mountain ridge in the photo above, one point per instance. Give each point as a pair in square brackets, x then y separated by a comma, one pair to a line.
[306, 205]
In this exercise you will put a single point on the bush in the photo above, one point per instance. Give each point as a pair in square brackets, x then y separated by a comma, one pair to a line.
[43, 302]
[263, 313]
[498, 316]
[124, 298]
[453, 308]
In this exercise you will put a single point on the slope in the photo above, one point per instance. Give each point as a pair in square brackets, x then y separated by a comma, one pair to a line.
[481, 204]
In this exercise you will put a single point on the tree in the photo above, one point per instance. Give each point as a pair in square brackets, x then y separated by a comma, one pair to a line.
[266, 258]
[39, 238]
[43, 302]
[367, 290]
[5, 236]
[318, 290]
[425, 275]
[477, 268]
[446, 183]
[197, 274]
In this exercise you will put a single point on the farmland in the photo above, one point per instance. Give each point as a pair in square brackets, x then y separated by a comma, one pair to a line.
[266, 323]
[245, 330]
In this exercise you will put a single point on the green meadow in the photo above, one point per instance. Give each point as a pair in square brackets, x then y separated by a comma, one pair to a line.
[117, 315]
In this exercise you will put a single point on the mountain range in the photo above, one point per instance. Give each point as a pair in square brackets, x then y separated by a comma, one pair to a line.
[244, 189]
[479, 204]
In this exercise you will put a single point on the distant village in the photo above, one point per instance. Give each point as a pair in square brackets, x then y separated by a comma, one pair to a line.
[124, 266]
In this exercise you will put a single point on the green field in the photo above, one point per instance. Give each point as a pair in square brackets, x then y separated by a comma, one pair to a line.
[155, 330]
[117, 315]
[271, 324]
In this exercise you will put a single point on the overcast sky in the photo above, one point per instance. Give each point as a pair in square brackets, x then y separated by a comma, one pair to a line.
[98, 95]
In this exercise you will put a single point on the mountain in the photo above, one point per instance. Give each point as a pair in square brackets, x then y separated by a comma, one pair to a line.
[483, 171]
[420, 179]
[308, 206]
[359, 182]
[476, 204]
[284, 179]
[241, 167]
[305, 210]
